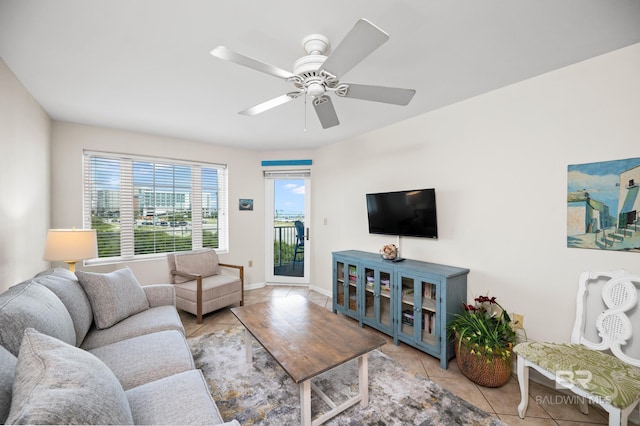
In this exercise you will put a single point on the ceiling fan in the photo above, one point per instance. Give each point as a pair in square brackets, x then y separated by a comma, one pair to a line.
[316, 74]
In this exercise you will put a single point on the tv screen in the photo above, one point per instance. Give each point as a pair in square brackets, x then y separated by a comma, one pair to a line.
[404, 213]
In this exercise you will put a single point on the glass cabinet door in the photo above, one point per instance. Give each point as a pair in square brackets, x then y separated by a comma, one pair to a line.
[419, 316]
[346, 286]
[339, 285]
[351, 286]
[377, 301]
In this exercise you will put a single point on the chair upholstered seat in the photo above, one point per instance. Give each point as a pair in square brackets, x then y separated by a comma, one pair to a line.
[608, 377]
[212, 287]
[218, 291]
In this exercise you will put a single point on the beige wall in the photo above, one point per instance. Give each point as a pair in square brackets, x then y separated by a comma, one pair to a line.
[24, 173]
[499, 166]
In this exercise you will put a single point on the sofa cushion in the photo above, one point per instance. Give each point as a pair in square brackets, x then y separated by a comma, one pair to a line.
[56, 383]
[7, 372]
[30, 304]
[143, 359]
[202, 262]
[146, 322]
[65, 285]
[163, 402]
[113, 296]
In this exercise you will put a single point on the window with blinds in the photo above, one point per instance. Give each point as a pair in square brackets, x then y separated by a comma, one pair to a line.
[141, 207]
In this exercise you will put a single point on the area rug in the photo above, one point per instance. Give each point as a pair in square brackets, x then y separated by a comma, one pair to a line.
[261, 393]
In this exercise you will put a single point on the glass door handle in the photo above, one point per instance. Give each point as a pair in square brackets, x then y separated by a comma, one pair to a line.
[307, 234]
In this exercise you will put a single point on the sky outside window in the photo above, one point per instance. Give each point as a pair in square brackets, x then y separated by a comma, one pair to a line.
[289, 197]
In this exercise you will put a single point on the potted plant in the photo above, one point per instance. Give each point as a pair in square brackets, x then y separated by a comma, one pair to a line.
[484, 337]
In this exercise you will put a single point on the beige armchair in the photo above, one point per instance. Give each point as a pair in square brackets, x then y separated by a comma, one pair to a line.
[200, 285]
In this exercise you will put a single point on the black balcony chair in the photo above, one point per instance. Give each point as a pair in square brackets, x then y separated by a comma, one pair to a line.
[299, 241]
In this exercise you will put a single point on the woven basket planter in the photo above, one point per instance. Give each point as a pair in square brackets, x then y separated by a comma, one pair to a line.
[477, 368]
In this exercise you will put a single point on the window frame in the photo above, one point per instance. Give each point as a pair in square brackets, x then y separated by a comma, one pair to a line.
[127, 191]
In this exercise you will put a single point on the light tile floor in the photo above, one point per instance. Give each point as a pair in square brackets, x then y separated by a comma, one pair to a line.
[546, 406]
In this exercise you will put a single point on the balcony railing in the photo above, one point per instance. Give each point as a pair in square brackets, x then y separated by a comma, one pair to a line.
[284, 244]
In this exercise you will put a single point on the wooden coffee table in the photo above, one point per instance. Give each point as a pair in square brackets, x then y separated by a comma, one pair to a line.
[307, 340]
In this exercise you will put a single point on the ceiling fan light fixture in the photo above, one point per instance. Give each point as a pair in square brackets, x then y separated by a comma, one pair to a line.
[315, 89]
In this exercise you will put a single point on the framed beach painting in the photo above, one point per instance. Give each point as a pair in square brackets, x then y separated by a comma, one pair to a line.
[245, 204]
[603, 205]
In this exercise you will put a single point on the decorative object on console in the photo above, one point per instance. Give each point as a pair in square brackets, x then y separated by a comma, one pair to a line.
[71, 246]
[389, 251]
[484, 339]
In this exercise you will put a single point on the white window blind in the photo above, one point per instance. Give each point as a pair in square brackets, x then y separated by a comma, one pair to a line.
[144, 206]
[286, 174]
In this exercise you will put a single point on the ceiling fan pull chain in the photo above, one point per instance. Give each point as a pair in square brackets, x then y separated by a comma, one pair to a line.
[305, 112]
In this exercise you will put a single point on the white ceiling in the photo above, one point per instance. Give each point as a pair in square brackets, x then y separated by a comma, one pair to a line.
[144, 65]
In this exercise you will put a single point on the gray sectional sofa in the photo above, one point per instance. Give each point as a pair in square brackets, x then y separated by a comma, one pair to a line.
[90, 348]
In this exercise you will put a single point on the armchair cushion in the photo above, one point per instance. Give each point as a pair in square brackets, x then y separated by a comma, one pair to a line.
[200, 262]
[56, 383]
[113, 296]
[611, 378]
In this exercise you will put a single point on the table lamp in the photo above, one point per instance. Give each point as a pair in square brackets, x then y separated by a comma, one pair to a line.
[71, 245]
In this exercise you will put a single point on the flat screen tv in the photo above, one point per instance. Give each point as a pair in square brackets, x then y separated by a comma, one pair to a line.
[403, 213]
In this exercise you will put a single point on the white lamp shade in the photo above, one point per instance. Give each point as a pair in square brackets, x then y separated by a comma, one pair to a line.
[71, 245]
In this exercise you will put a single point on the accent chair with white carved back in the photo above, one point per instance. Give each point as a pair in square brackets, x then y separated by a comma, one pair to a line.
[602, 362]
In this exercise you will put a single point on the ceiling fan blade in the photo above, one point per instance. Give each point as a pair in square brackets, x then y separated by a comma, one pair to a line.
[359, 43]
[271, 103]
[326, 112]
[229, 55]
[388, 95]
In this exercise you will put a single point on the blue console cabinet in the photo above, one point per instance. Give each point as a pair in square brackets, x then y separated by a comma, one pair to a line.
[412, 301]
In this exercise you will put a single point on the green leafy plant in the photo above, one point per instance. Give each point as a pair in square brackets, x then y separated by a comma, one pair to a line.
[484, 328]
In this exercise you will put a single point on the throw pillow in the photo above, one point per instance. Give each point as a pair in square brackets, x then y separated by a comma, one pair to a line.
[203, 262]
[114, 296]
[56, 383]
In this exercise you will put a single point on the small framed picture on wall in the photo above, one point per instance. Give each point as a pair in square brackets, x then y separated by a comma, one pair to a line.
[246, 204]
